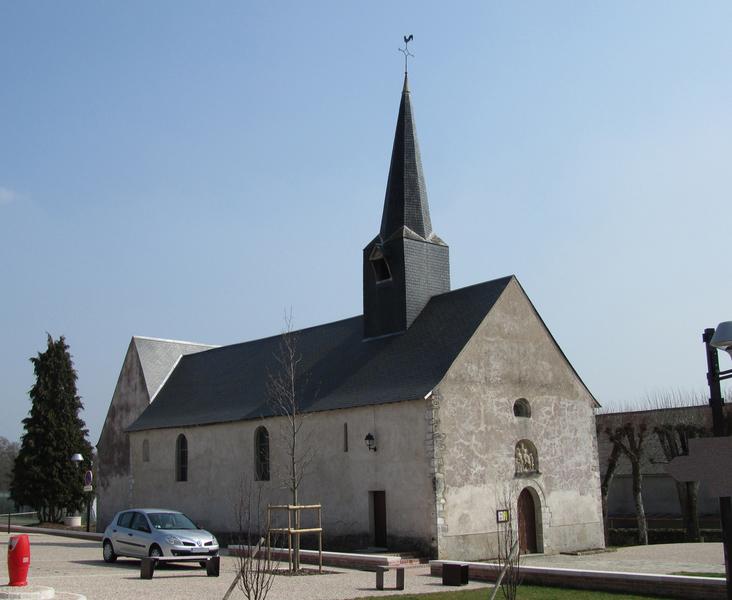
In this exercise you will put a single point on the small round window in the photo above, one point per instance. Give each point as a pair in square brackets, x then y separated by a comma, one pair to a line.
[521, 408]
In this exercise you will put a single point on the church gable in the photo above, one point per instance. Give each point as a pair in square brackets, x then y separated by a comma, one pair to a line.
[513, 347]
[159, 357]
[147, 364]
[512, 414]
[129, 399]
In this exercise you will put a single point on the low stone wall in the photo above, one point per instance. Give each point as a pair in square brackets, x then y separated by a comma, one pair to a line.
[629, 537]
[664, 586]
[71, 533]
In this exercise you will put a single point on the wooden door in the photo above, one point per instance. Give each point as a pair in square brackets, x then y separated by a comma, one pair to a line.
[526, 523]
[379, 504]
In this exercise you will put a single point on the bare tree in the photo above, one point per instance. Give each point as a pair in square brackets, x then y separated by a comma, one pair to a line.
[255, 568]
[674, 417]
[285, 389]
[509, 556]
[607, 479]
[674, 441]
[678, 422]
[630, 438]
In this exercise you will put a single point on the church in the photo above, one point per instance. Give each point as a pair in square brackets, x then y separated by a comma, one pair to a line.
[428, 418]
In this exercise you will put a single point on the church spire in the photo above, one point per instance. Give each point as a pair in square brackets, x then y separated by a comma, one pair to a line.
[405, 203]
[406, 263]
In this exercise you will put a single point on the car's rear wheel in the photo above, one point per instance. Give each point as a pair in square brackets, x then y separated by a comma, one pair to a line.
[108, 552]
[155, 551]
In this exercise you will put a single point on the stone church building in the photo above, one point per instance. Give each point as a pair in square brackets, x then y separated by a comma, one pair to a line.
[426, 415]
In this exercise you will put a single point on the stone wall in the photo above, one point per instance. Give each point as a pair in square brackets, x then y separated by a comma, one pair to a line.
[147, 363]
[130, 398]
[221, 461]
[512, 356]
[659, 490]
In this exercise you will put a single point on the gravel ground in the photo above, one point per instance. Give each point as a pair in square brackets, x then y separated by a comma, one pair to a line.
[71, 565]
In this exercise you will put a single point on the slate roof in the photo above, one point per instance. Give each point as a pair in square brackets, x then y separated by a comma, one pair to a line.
[343, 371]
[405, 202]
[157, 358]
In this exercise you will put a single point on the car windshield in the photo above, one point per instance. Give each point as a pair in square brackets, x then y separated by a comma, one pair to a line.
[171, 521]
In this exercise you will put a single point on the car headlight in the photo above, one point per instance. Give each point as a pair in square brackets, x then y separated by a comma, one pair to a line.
[173, 541]
[214, 541]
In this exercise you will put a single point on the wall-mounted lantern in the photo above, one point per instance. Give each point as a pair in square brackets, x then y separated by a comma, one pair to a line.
[370, 442]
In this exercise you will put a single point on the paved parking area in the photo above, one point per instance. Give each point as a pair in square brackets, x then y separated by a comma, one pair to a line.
[658, 558]
[76, 566]
[70, 565]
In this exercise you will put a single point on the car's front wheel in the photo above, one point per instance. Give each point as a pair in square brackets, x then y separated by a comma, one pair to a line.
[155, 551]
[108, 552]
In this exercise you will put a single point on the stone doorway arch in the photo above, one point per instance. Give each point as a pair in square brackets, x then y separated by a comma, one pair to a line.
[527, 522]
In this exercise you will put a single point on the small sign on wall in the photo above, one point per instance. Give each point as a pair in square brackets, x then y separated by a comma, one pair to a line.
[503, 515]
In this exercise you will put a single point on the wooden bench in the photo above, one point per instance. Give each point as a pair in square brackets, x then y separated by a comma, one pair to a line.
[454, 574]
[148, 564]
[380, 570]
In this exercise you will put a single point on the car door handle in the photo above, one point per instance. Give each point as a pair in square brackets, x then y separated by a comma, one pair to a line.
[129, 534]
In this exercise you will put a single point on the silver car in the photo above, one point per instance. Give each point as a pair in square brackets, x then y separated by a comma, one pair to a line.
[140, 532]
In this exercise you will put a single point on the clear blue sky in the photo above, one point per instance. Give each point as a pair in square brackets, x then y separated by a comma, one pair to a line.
[189, 170]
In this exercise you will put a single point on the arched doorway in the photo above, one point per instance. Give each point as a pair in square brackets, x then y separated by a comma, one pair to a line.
[527, 522]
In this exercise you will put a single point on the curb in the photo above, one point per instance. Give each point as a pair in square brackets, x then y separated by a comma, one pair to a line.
[81, 535]
[32, 592]
[667, 586]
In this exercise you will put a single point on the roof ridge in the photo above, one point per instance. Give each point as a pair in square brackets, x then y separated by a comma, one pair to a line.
[277, 335]
[230, 383]
[155, 339]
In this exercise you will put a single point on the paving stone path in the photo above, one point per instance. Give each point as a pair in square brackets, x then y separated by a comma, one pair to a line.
[75, 566]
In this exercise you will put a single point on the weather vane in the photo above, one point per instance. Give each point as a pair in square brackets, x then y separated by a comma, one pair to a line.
[405, 51]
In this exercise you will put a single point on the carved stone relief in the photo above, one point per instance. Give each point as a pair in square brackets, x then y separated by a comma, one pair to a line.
[525, 458]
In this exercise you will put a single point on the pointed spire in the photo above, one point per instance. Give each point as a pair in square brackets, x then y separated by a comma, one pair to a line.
[405, 204]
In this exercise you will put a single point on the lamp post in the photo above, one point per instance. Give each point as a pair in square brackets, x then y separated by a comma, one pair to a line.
[721, 338]
[78, 459]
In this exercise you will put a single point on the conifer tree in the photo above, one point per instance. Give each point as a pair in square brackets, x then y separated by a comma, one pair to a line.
[44, 478]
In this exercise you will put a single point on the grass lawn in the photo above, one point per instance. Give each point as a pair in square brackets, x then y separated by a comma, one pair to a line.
[526, 592]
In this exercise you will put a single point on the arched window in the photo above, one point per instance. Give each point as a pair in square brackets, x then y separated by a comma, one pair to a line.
[145, 450]
[526, 458]
[181, 458]
[261, 453]
[521, 408]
